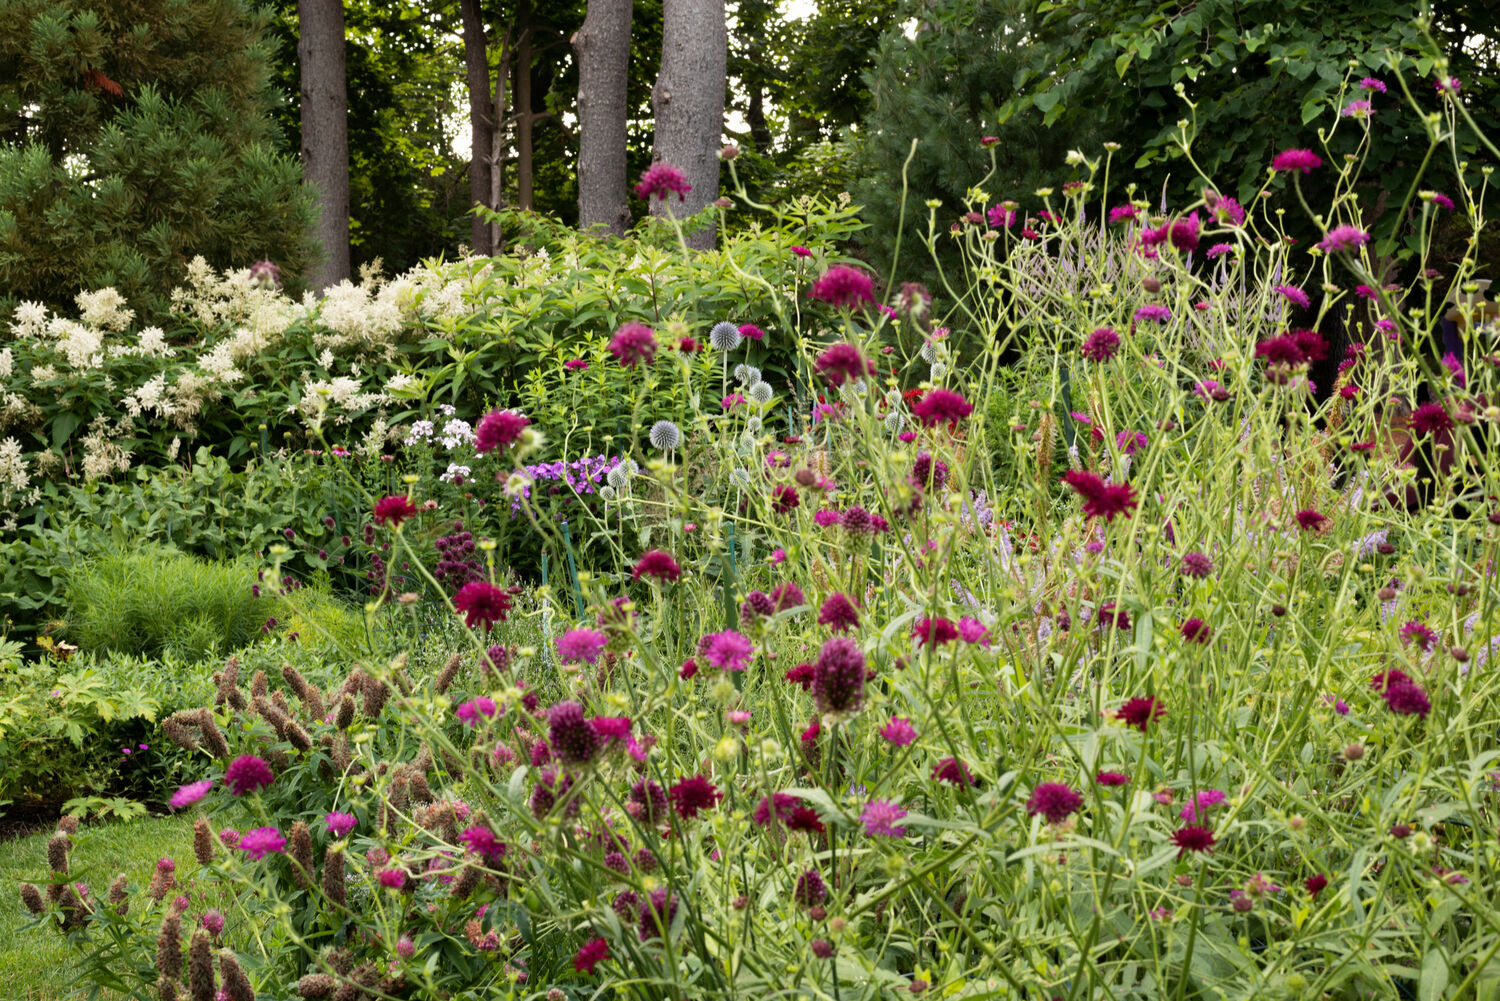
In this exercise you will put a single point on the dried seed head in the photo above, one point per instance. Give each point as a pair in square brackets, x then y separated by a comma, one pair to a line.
[316, 985]
[169, 948]
[236, 984]
[32, 898]
[333, 877]
[57, 852]
[213, 738]
[203, 841]
[345, 718]
[302, 855]
[201, 983]
[448, 673]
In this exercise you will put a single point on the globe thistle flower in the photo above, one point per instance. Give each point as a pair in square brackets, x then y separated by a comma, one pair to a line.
[1291, 160]
[753, 425]
[633, 344]
[572, 740]
[247, 774]
[894, 422]
[936, 373]
[724, 336]
[1054, 801]
[838, 613]
[942, 406]
[693, 795]
[482, 602]
[840, 363]
[661, 179]
[498, 429]
[740, 477]
[394, 510]
[665, 435]
[843, 286]
[657, 564]
[618, 476]
[1101, 345]
[761, 393]
[838, 684]
[1140, 712]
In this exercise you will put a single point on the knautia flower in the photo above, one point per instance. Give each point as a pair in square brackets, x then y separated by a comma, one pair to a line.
[1054, 801]
[574, 742]
[1140, 712]
[394, 510]
[933, 631]
[1370, 83]
[693, 795]
[665, 435]
[1112, 779]
[191, 793]
[247, 774]
[591, 954]
[953, 772]
[1310, 520]
[724, 336]
[1202, 800]
[899, 731]
[1101, 345]
[1357, 109]
[483, 842]
[259, 842]
[838, 684]
[1196, 565]
[840, 363]
[843, 286]
[581, 646]
[1193, 839]
[339, 824]
[498, 429]
[657, 912]
[838, 613]
[1293, 295]
[482, 603]
[942, 406]
[478, 708]
[1196, 631]
[728, 650]
[1100, 499]
[660, 180]
[880, 818]
[751, 332]
[633, 344]
[1155, 314]
[1430, 418]
[657, 564]
[1343, 238]
[1290, 160]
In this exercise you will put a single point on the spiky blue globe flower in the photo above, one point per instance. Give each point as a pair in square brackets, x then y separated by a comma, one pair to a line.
[762, 392]
[724, 336]
[894, 422]
[665, 435]
[747, 374]
[618, 477]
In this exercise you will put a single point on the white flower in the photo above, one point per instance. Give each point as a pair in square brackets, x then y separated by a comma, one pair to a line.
[665, 435]
[29, 319]
[724, 336]
[748, 374]
[104, 309]
[455, 471]
[761, 392]
[894, 422]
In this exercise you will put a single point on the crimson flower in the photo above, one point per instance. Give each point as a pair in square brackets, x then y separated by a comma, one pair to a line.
[658, 564]
[942, 406]
[693, 795]
[497, 429]
[1100, 499]
[1430, 418]
[591, 954]
[482, 602]
[843, 286]
[1140, 712]
[661, 179]
[842, 362]
[1054, 801]
[632, 344]
[1193, 839]
[934, 631]
[1290, 160]
[394, 510]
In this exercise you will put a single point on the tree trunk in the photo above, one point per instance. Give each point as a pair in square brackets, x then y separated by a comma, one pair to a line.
[688, 101]
[603, 47]
[500, 116]
[481, 124]
[325, 132]
[524, 177]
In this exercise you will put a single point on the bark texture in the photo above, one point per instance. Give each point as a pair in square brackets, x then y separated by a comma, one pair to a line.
[603, 48]
[688, 101]
[325, 132]
[481, 123]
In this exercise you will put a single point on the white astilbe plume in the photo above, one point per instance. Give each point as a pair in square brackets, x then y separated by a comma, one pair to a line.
[724, 336]
[665, 435]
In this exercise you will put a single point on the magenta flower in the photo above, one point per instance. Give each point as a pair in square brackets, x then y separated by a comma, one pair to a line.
[941, 406]
[1343, 238]
[840, 363]
[1202, 801]
[1156, 314]
[340, 824]
[1310, 520]
[952, 771]
[1120, 213]
[393, 878]
[633, 344]
[1430, 418]
[843, 286]
[1372, 84]
[1140, 712]
[802, 251]
[661, 179]
[581, 646]
[1304, 160]
[751, 332]
[1054, 801]
[1100, 499]
[247, 774]
[1357, 109]
[971, 630]
[1001, 217]
[838, 613]
[260, 842]
[479, 707]
[1415, 632]
[498, 429]
[899, 731]
[693, 795]
[658, 564]
[1447, 84]
[191, 793]
[1196, 631]
[481, 602]
[1184, 234]
[1442, 201]
[880, 817]
[572, 739]
[1112, 779]
[575, 364]
[933, 631]
[1101, 345]
[1294, 295]
[483, 842]
[1193, 839]
[728, 650]
[394, 510]
[591, 954]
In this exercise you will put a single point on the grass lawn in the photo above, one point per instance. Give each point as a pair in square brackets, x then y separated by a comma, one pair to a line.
[34, 965]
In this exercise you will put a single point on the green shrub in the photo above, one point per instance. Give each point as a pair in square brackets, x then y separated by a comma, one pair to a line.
[157, 600]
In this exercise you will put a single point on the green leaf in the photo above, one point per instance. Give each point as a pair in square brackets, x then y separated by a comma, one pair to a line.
[1122, 63]
[1434, 979]
[1311, 110]
[63, 427]
[1047, 99]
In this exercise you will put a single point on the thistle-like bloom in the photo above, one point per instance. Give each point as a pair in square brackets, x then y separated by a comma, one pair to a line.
[1154, 314]
[840, 363]
[394, 510]
[581, 646]
[483, 842]
[340, 824]
[1294, 295]
[1196, 565]
[633, 344]
[191, 793]
[838, 613]
[482, 602]
[724, 336]
[661, 179]
[1370, 83]
[1100, 499]
[1112, 779]
[1290, 160]
[1416, 632]
[498, 429]
[728, 650]
[1101, 345]
[933, 631]
[1184, 233]
[838, 684]
[952, 771]
[1140, 712]
[1344, 238]
[572, 739]
[942, 406]
[810, 891]
[477, 708]
[1430, 418]
[1196, 631]
[693, 795]
[843, 286]
[591, 954]
[247, 774]
[1193, 839]
[1315, 884]
[1054, 801]
[1204, 799]
[658, 564]
[1312, 521]
[899, 731]
[664, 435]
[261, 841]
[880, 818]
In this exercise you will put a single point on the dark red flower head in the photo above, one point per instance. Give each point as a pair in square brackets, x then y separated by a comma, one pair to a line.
[1140, 712]
[693, 795]
[1193, 839]
[1312, 521]
[952, 771]
[658, 564]
[394, 510]
[838, 613]
[942, 406]
[632, 344]
[840, 363]
[482, 602]
[1196, 631]
[1054, 801]
[498, 429]
[844, 286]
[1100, 499]
[934, 631]
[1430, 418]
[838, 683]
[659, 180]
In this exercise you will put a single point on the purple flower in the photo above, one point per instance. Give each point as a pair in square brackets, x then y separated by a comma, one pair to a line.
[659, 180]
[971, 630]
[1054, 801]
[483, 842]
[261, 841]
[899, 731]
[632, 344]
[843, 286]
[479, 706]
[728, 650]
[570, 736]
[1205, 799]
[1100, 345]
[838, 684]
[583, 645]
[1343, 238]
[340, 824]
[1294, 295]
[880, 817]
[1158, 314]
[1290, 160]
[1372, 84]
[191, 793]
[247, 774]
[1357, 109]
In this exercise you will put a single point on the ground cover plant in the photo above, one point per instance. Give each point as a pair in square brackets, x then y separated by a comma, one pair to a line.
[1141, 668]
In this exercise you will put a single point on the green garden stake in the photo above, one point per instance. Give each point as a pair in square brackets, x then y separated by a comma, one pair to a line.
[730, 618]
[573, 570]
